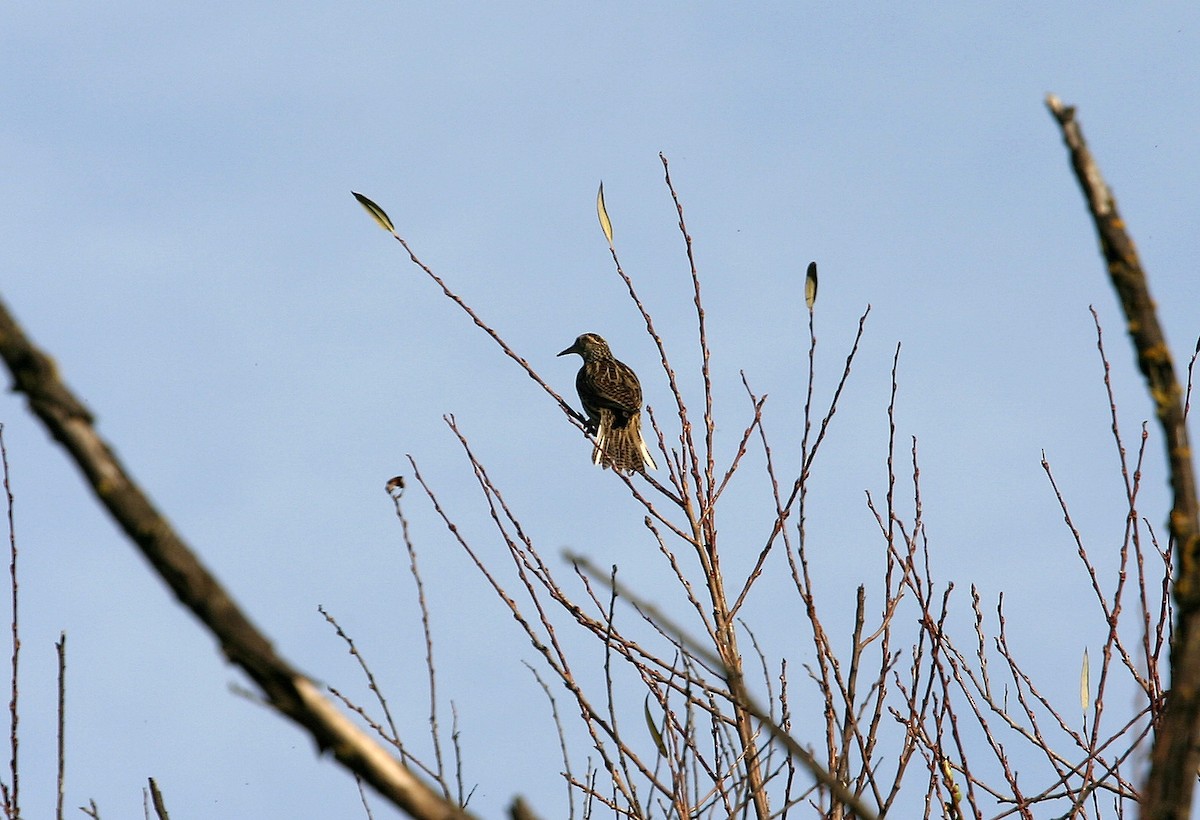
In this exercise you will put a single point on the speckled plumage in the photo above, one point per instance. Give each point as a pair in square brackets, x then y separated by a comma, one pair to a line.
[612, 398]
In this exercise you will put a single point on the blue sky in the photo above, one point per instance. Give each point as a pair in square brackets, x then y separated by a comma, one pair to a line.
[180, 235]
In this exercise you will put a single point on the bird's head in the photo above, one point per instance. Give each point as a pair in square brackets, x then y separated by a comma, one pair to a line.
[589, 345]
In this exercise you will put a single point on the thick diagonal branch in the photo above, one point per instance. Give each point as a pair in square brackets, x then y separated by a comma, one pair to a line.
[283, 687]
[1175, 755]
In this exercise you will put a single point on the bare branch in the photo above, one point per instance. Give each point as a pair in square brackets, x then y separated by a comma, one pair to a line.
[288, 691]
[1176, 752]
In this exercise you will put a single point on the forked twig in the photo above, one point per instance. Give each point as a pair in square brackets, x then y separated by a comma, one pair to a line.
[822, 775]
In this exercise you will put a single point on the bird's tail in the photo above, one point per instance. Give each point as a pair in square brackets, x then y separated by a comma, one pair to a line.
[622, 448]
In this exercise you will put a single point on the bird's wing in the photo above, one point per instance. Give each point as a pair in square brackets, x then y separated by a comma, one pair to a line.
[613, 384]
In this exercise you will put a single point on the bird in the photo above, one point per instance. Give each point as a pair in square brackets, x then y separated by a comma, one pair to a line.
[612, 398]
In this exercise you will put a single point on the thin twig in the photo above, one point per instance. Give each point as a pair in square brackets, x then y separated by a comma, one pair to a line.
[61, 648]
[427, 632]
[13, 801]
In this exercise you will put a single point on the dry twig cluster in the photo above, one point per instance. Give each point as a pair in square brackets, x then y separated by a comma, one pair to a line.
[914, 718]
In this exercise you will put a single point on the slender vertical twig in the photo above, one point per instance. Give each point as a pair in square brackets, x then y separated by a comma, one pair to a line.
[702, 334]
[427, 631]
[61, 648]
[14, 795]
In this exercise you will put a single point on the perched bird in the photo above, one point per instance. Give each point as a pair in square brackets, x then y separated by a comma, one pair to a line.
[612, 399]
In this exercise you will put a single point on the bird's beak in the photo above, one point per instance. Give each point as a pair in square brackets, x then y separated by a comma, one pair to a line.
[571, 349]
